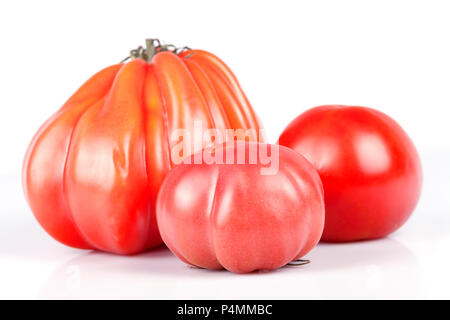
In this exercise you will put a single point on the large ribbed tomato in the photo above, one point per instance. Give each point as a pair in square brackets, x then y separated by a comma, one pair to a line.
[233, 215]
[92, 172]
[369, 167]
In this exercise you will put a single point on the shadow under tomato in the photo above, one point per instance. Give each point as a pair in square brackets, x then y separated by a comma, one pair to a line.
[351, 270]
[385, 251]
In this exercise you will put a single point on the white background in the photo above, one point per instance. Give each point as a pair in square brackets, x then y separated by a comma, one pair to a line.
[289, 56]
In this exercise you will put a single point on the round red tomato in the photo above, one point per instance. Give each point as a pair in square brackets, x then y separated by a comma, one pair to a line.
[242, 215]
[369, 168]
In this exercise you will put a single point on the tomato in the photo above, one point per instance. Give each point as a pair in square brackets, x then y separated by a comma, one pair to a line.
[92, 171]
[236, 216]
[369, 168]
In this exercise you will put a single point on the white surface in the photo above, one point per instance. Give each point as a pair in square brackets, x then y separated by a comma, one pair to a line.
[411, 263]
[288, 56]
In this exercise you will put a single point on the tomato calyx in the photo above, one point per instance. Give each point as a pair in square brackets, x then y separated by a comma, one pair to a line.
[293, 263]
[298, 262]
[154, 46]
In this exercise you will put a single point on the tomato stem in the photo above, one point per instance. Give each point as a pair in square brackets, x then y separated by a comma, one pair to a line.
[154, 46]
[151, 49]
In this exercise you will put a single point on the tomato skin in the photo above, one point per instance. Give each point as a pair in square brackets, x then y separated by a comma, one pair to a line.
[92, 172]
[230, 216]
[369, 167]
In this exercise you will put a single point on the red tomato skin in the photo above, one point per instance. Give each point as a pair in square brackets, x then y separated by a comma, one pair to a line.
[370, 169]
[92, 172]
[230, 216]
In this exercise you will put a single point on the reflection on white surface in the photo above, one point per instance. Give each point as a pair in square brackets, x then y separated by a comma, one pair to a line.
[383, 268]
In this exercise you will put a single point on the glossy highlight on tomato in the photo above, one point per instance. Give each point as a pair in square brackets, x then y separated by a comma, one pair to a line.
[92, 171]
[369, 167]
[221, 215]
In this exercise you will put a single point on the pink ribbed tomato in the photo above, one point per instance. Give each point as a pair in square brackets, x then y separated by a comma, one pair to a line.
[236, 215]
